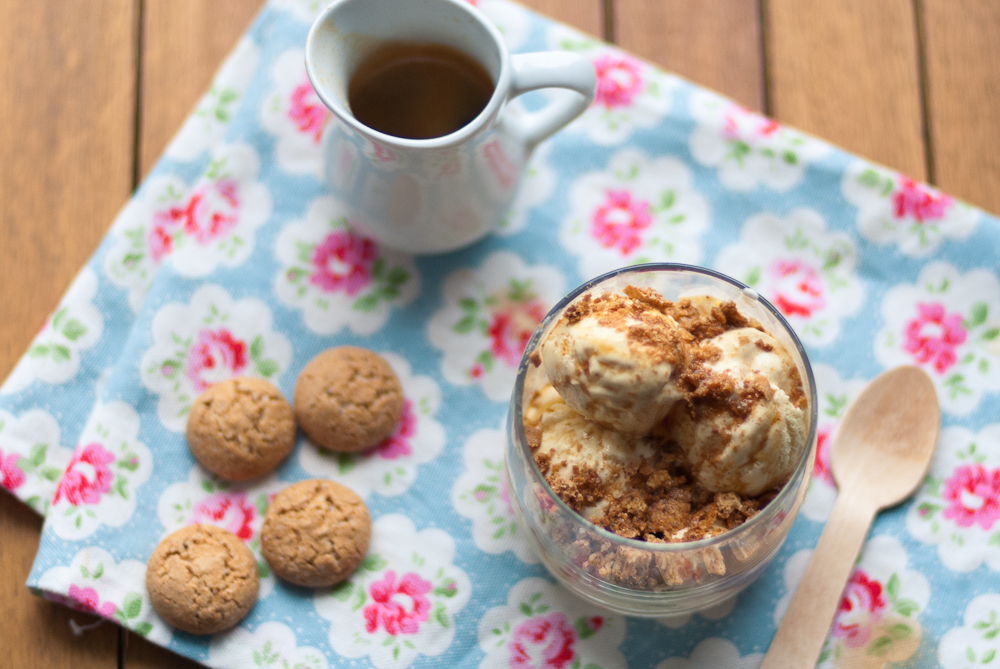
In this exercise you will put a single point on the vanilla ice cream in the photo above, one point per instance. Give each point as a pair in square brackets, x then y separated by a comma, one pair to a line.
[743, 427]
[645, 411]
[613, 359]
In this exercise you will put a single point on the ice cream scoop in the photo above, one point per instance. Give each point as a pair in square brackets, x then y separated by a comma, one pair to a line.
[744, 425]
[613, 358]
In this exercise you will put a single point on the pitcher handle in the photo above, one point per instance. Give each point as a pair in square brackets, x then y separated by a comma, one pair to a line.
[550, 69]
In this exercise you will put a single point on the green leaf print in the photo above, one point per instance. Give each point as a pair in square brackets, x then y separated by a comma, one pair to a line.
[37, 454]
[99, 571]
[74, 329]
[753, 277]
[397, 276]
[790, 158]
[366, 303]
[881, 646]
[267, 368]
[257, 347]
[991, 334]
[446, 589]
[466, 325]
[132, 606]
[342, 591]
[373, 563]
[441, 615]
[143, 628]
[899, 631]
[977, 316]
[892, 587]
[60, 353]
[869, 178]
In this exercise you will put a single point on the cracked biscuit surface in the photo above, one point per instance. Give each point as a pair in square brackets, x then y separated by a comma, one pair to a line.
[348, 399]
[241, 428]
[202, 579]
[316, 533]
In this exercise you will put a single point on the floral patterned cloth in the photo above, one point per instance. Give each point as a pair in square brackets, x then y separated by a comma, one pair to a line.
[232, 259]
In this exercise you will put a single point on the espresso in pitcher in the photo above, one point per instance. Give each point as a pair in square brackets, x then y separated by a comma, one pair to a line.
[418, 91]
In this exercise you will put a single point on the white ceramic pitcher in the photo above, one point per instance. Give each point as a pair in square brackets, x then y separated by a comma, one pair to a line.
[434, 195]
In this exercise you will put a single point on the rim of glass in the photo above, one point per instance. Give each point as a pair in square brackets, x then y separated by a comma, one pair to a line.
[518, 412]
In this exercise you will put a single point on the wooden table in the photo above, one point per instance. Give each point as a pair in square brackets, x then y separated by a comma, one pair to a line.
[92, 91]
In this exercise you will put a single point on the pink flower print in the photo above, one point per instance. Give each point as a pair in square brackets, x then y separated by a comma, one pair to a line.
[216, 356]
[618, 221]
[383, 154]
[505, 495]
[87, 476]
[230, 512]
[768, 127]
[619, 80]
[798, 288]
[212, 211]
[343, 261]
[821, 467]
[161, 242]
[398, 608]
[973, 496]
[933, 336]
[11, 476]
[543, 642]
[860, 608]
[511, 328]
[398, 445]
[307, 111]
[86, 599]
[918, 202]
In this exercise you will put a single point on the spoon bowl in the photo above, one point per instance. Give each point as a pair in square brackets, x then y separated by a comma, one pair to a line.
[883, 447]
[880, 454]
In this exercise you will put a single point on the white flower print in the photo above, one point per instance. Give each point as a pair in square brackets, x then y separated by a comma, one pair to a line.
[480, 494]
[391, 467]
[488, 317]
[337, 276]
[93, 582]
[543, 625]
[31, 457]
[893, 209]
[876, 622]
[749, 150]
[536, 188]
[636, 210]
[294, 112]
[958, 506]
[631, 93]
[834, 395]
[102, 479]
[271, 644]
[211, 339]
[977, 642]
[199, 228]
[207, 124]
[713, 653]
[947, 323]
[402, 600]
[236, 507]
[54, 355]
[807, 273]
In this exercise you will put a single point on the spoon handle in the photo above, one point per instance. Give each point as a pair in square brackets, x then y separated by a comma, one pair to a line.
[807, 621]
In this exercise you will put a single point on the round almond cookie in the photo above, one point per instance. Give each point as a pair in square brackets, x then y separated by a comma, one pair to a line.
[202, 579]
[241, 428]
[348, 399]
[315, 533]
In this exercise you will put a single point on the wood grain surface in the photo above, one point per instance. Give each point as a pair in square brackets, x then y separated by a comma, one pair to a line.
[962, 44]
[66, 145]
[848, 71]
[716, 43]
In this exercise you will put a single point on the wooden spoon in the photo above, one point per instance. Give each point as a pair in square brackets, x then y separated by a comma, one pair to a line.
[879, 456]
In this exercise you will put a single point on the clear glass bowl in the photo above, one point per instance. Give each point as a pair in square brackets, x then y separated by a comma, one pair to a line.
[676, 578]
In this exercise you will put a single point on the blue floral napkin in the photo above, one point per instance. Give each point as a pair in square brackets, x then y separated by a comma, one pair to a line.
[231, 259]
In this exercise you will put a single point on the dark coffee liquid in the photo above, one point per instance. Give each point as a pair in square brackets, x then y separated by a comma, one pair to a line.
[418, 91]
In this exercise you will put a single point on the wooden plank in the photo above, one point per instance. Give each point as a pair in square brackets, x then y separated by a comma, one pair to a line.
[585, 15]
[716, 43]
[848, 71]
[184, 42]
[66, 149]
[961, 40]
[37, 632]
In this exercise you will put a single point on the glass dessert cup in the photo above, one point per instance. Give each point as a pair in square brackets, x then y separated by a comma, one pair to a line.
[632, 576]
